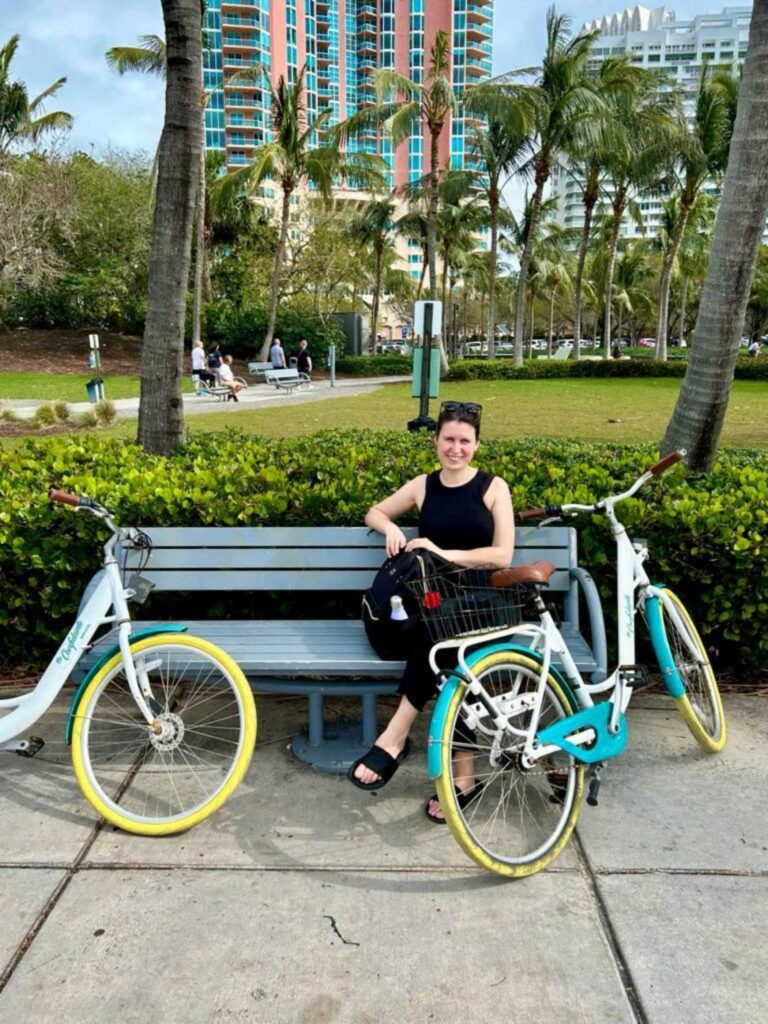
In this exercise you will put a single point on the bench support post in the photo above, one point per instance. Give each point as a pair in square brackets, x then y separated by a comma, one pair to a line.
[370, 724]
[333, 747]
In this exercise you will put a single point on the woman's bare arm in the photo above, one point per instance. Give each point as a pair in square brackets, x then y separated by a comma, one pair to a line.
[381, 517]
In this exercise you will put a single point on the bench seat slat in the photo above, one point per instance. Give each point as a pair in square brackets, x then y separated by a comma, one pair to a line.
[290, 647]
[207, 559]
[291, 580]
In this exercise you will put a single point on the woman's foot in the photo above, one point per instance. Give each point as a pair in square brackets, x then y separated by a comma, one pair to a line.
[377, 766]
[466, 791]
[368, 775]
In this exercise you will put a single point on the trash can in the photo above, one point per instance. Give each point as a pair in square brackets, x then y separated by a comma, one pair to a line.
[94, 389]
[293, 362]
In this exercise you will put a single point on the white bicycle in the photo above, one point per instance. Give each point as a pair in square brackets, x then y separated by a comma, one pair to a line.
[516, 712]
[163, 725]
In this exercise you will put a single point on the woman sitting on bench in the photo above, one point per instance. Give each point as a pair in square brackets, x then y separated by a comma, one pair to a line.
[466, 516]
[227, 378]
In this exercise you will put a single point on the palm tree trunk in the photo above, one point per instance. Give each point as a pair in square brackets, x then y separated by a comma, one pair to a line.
[697, 420]
[590, 196]
[542, 174]
[197, 292]
[529, 345]
[618, 212]
[279, 257]
[420, 289]
[683, 302]
[443, 293]
[619, 318]
[375, 303]
[551, 321]
[665, 278]
[161, 411]
[493, 202]
[432, 215]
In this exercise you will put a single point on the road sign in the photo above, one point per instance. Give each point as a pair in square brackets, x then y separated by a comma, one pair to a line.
[418, 317]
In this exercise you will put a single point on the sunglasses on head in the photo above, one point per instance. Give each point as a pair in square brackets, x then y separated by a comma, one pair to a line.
[462, 408]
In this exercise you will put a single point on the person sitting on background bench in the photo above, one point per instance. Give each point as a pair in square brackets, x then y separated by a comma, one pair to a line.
[199, 365]
[227, 378]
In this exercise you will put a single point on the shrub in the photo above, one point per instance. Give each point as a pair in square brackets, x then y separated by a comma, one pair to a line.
[9, 415]
[45, 415]
[105, 412]
[87, 420]
[62, 411]
[241, 329]
[707, 535]
[374, 366]
[545, 369]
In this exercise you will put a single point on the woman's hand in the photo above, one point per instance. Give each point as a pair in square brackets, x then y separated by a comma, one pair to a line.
[423, 542]
[395, 539]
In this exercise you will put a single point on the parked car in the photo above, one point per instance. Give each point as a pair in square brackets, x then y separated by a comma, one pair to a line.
[505, 348]
[473, 349]
[395, 348]
[647, 343]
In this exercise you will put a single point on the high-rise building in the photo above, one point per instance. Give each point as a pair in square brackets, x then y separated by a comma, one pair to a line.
[655, 39]
[341, 43]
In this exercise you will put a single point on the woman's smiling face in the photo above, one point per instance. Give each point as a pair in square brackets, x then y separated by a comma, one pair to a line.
[456, 444]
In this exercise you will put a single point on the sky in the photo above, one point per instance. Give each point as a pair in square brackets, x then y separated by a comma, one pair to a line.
[70, 38]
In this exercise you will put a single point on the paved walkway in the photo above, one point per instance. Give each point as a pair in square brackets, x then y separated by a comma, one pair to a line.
[305, 900]
[256, 396]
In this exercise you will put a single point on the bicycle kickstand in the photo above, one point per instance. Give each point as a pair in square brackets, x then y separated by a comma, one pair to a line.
[593, 775]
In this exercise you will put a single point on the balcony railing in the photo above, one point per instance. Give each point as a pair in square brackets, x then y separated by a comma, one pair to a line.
[239, 20]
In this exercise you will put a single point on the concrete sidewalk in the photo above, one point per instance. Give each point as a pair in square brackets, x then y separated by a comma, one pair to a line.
[305, 900]
[256, 396]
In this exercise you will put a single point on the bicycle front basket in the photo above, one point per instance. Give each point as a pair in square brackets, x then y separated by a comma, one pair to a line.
[461, 602]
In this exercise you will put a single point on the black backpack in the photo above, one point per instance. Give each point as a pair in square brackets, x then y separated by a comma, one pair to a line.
[391, 638]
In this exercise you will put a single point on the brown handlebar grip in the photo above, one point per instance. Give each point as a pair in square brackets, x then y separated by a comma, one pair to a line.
[667, 461]
[531, 513]
[63, 497]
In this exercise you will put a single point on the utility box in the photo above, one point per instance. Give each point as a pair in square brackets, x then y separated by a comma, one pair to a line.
[352, 325]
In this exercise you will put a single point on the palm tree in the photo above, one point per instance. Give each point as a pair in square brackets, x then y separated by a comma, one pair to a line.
[372, 226]
[702, 152]
[637, 162]
[21, 118]
[502, 138]
[698, 416]
[589, 158]
[693, 251]
[292, 162]
[413, 227]
[565, 103]
[460, 216]
[633, 276]
[403, 106]
[161, 415]
[150, 58]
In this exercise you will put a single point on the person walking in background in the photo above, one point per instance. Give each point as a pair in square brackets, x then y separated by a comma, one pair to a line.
[214, 361]
[303, 358]
[199, 364]
[754, 348]
[277, 356]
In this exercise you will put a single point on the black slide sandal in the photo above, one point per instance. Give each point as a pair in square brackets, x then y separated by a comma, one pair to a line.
[462, 799]
[379, 761]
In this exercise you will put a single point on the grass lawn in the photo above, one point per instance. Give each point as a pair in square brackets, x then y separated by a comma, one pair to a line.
[67, 387]
[583, 409]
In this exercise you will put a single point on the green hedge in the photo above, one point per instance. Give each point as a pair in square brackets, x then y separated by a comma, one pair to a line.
[374, 366]
[241, 329]
[707, 535]
[542, 369]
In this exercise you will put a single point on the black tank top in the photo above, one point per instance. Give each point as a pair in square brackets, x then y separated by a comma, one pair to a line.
[457, 518]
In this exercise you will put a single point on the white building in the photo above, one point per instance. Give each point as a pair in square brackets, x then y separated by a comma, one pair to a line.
[657, 40]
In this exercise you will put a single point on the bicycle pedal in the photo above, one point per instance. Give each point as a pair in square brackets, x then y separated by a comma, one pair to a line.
[29, 747]
[636, 676]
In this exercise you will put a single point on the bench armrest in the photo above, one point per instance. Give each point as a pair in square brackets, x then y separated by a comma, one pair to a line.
[596, 621]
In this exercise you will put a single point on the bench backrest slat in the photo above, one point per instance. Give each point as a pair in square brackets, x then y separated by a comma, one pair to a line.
[305, 558]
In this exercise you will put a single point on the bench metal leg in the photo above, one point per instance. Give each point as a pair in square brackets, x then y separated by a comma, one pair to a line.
[333, 746]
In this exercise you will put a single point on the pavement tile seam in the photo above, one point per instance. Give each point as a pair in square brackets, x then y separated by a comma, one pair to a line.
[620, 961]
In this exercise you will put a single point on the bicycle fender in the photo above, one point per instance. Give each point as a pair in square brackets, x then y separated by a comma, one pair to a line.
[140, 634]
[671, 676]
[440, 711]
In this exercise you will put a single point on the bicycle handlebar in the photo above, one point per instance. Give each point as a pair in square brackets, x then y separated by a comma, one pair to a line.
[63, 497]
[667, 461]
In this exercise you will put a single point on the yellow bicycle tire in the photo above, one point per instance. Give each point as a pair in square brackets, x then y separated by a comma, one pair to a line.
[108, 809]
[705, 739]
[447, 795]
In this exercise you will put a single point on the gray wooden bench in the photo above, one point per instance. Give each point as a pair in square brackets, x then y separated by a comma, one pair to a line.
[321, 657]
[219, 391]
[258, 369]
[288, 380]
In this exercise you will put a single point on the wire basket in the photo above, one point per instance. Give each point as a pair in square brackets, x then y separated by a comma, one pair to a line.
[462, 603]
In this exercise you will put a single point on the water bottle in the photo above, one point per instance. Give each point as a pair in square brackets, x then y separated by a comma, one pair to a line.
[398, 613]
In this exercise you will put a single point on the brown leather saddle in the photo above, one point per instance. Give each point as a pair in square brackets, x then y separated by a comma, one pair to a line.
[534, 572]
